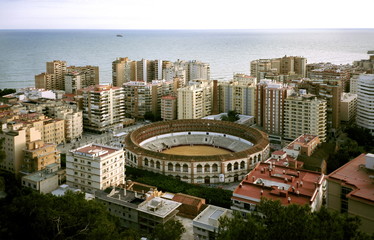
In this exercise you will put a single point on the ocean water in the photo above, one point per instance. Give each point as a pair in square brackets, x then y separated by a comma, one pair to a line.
[23, 53]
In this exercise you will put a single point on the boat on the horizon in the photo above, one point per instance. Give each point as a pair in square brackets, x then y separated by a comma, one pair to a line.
[119, 35]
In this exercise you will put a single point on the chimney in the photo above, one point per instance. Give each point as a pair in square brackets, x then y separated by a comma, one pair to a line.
[262, 192]
[298, 173]
[289, 199]
[301, 183]
[240, 185]
[297, 184]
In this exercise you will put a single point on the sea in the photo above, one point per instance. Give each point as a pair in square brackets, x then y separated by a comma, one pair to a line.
[24, 53]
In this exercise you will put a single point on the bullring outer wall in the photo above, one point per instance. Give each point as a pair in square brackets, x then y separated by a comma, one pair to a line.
[198, 169]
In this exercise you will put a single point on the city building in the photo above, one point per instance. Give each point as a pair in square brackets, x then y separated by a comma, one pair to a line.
[95, 167]
[123, 71]
[350, 190]
[168, 108]
[280, 69]
[138, 211]
[366, 65]
[365, 102]
[270, 98]
[53, 131]
[103, 107]
[46, 180]
[187, 71]
[305, 144]
[275, 182]
[38, 155]
[90, 74]
[73, 120]
[332, 72]
[329, 90]
[304, 114]
[196, 100]
[348, 107]
[74, 81]
[45, 81]
[238, 95]
[142, 98]
[206, 224]
[56, 71]
[16, 136]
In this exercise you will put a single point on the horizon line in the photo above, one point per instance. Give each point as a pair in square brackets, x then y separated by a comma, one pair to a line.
[191, 29]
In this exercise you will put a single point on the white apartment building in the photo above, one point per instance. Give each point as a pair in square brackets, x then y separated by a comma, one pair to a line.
[304, 114]
[103, 107]
[195, 101]
[365, 102]
[206, 224]
[95, 167]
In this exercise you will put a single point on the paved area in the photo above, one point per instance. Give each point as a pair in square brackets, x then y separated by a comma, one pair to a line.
[187, 223]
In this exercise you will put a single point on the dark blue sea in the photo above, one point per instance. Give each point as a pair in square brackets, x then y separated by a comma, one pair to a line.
[23, 53]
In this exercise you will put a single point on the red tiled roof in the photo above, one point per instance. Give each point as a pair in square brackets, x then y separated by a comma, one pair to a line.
[300, 186]
[355, 174]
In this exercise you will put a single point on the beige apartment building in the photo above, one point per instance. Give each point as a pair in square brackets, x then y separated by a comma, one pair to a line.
[45, 81]
[103, 107]
[168, 108]
[329, 90]
[304, 114]
[123, 71]
[348, 107]
[16, 136]
[95, 167]
[196, 100]
[238, 95]
[275, 68]
[37, 155]
[73, 82]
[54, 131]
[270, 98]
[73, 122]
[142, 97]
[350, 190]
[54, 77]
[90, 73]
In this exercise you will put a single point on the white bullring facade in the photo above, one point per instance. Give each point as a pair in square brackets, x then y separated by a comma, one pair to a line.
[246, 147]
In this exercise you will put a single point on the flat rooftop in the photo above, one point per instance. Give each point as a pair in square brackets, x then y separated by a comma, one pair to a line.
[208, 218]
[95, 150]
[354, 174]
[159, 207]
[278, 183]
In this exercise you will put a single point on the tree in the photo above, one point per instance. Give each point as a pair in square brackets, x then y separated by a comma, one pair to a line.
[232, 116]
[49, 217]
[171, 230]
[271, 220]
[6, 91]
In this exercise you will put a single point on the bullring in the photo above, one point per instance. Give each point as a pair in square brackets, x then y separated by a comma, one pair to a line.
[245, 147]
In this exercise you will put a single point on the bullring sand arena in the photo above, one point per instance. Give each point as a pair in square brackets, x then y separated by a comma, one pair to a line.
[197, 150]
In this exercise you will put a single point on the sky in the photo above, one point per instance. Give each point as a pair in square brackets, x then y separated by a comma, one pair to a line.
[187, 14]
